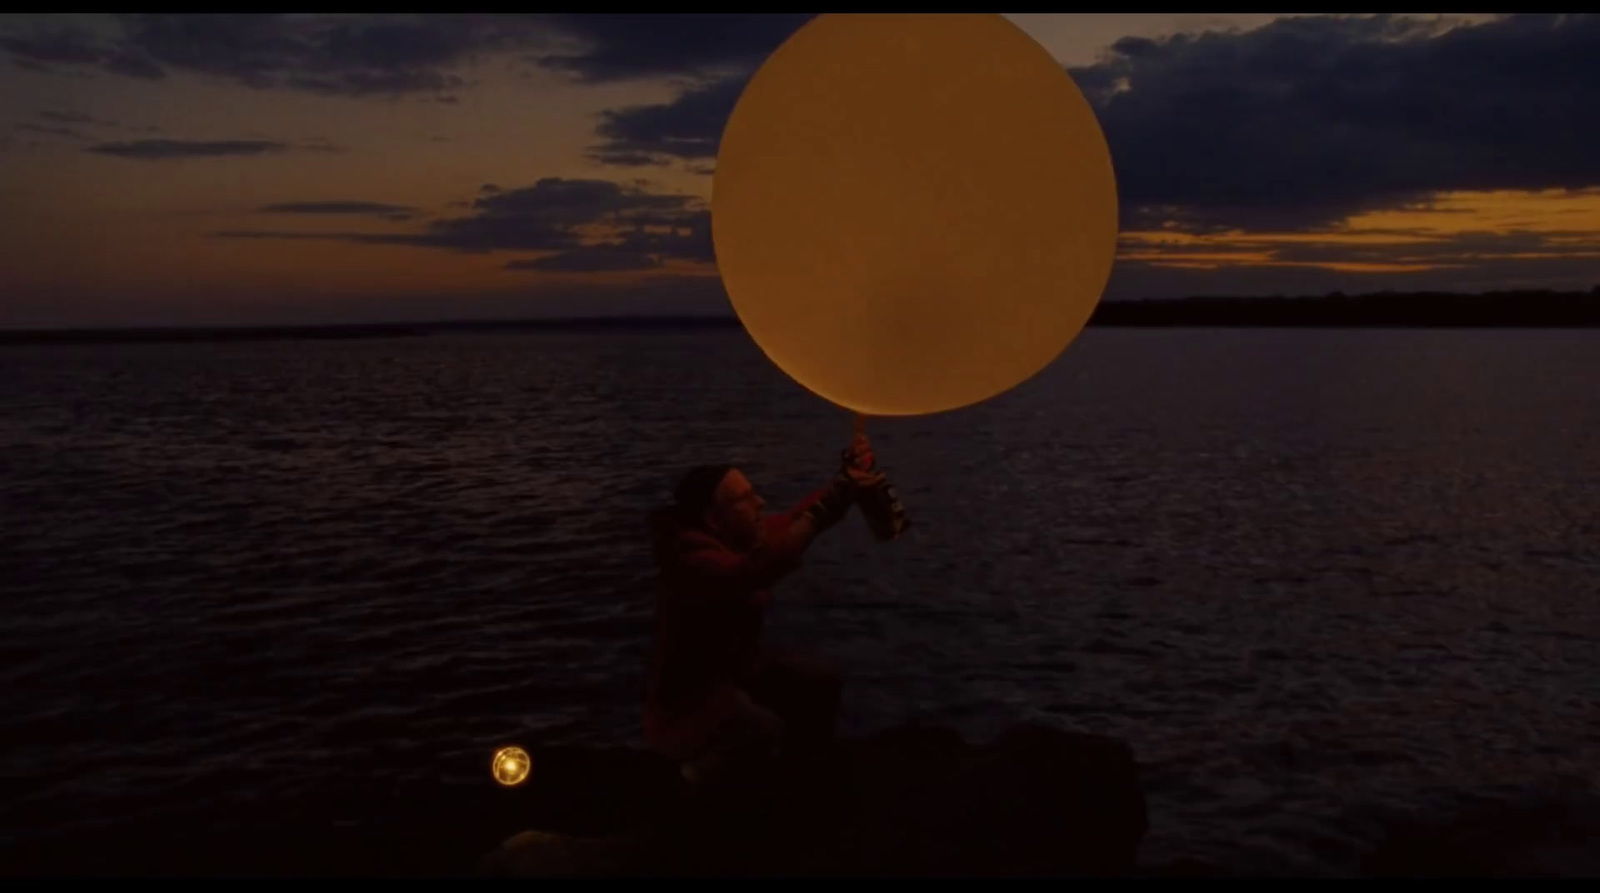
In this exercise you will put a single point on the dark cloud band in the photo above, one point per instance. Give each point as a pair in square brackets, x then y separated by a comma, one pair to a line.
[394, 54]
[554, 215]
[168, 150]
[1292, 126]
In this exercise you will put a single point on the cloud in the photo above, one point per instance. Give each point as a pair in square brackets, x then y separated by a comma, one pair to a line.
[392, 54]
[65, 132]
[53, 45]
[640, 45]
[553, 215]
[56, 117]
[135, 67]
[564, 202]
[625, 157]
[688, 127]
[652, 242]
[356, 209]
[1133, 281]
[174, 149]
[1375, 250]
[451, 235]
[321, 145]
[166, 150]
[74, 124]
[1305, 121]
[1174, 264]
[1292, 126]
[686, 239]
[606, 257]
[342, 54]
[47, 46]
[356, 55]
[1458, 250]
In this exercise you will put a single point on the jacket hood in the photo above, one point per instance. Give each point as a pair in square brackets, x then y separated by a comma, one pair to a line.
[671, 537]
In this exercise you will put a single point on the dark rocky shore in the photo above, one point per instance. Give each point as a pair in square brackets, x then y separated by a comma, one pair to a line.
[1035, 801]
[910, 801]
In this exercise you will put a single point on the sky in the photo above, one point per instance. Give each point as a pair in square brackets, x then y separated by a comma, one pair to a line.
[177, 169]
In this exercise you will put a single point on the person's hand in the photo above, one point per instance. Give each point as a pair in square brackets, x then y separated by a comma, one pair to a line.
[864, 480]
[859, 454]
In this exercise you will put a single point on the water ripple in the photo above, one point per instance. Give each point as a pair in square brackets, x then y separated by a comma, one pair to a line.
[1312, 577]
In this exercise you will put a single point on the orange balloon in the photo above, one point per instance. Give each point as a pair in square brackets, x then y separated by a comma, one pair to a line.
[913, 213]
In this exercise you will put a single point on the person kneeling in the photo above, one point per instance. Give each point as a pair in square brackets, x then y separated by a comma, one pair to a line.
[718, 702]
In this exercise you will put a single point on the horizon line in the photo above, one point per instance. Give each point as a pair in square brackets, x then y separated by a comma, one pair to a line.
[202, 331]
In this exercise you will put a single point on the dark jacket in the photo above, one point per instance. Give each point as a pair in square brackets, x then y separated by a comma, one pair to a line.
[711, 603]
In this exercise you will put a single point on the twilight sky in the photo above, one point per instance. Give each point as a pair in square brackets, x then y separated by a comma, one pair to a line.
[235, 169]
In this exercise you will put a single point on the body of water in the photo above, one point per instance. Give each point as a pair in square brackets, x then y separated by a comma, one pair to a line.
[1312, 577]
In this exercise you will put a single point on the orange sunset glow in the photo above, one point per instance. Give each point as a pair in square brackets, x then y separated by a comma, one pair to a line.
[1452, 231]
[547, 165]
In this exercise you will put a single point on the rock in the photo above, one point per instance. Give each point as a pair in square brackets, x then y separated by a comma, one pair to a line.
[1558, 837]
[539, 854]
[1189, 868]
[914, 800]
[1036, 801]
[593, 793]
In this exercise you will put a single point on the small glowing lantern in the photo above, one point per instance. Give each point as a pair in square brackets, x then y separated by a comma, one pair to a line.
[511, 766]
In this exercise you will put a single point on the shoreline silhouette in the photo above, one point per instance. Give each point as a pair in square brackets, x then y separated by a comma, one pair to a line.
[1385, 309]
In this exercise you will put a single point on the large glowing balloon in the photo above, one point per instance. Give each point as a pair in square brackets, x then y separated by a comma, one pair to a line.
[913, 212]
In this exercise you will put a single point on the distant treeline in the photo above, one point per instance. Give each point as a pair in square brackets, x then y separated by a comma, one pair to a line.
[1502, 309]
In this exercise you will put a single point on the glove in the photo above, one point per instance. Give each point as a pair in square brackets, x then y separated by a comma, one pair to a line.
[830, 507]
[859, 467]
[859, 455]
